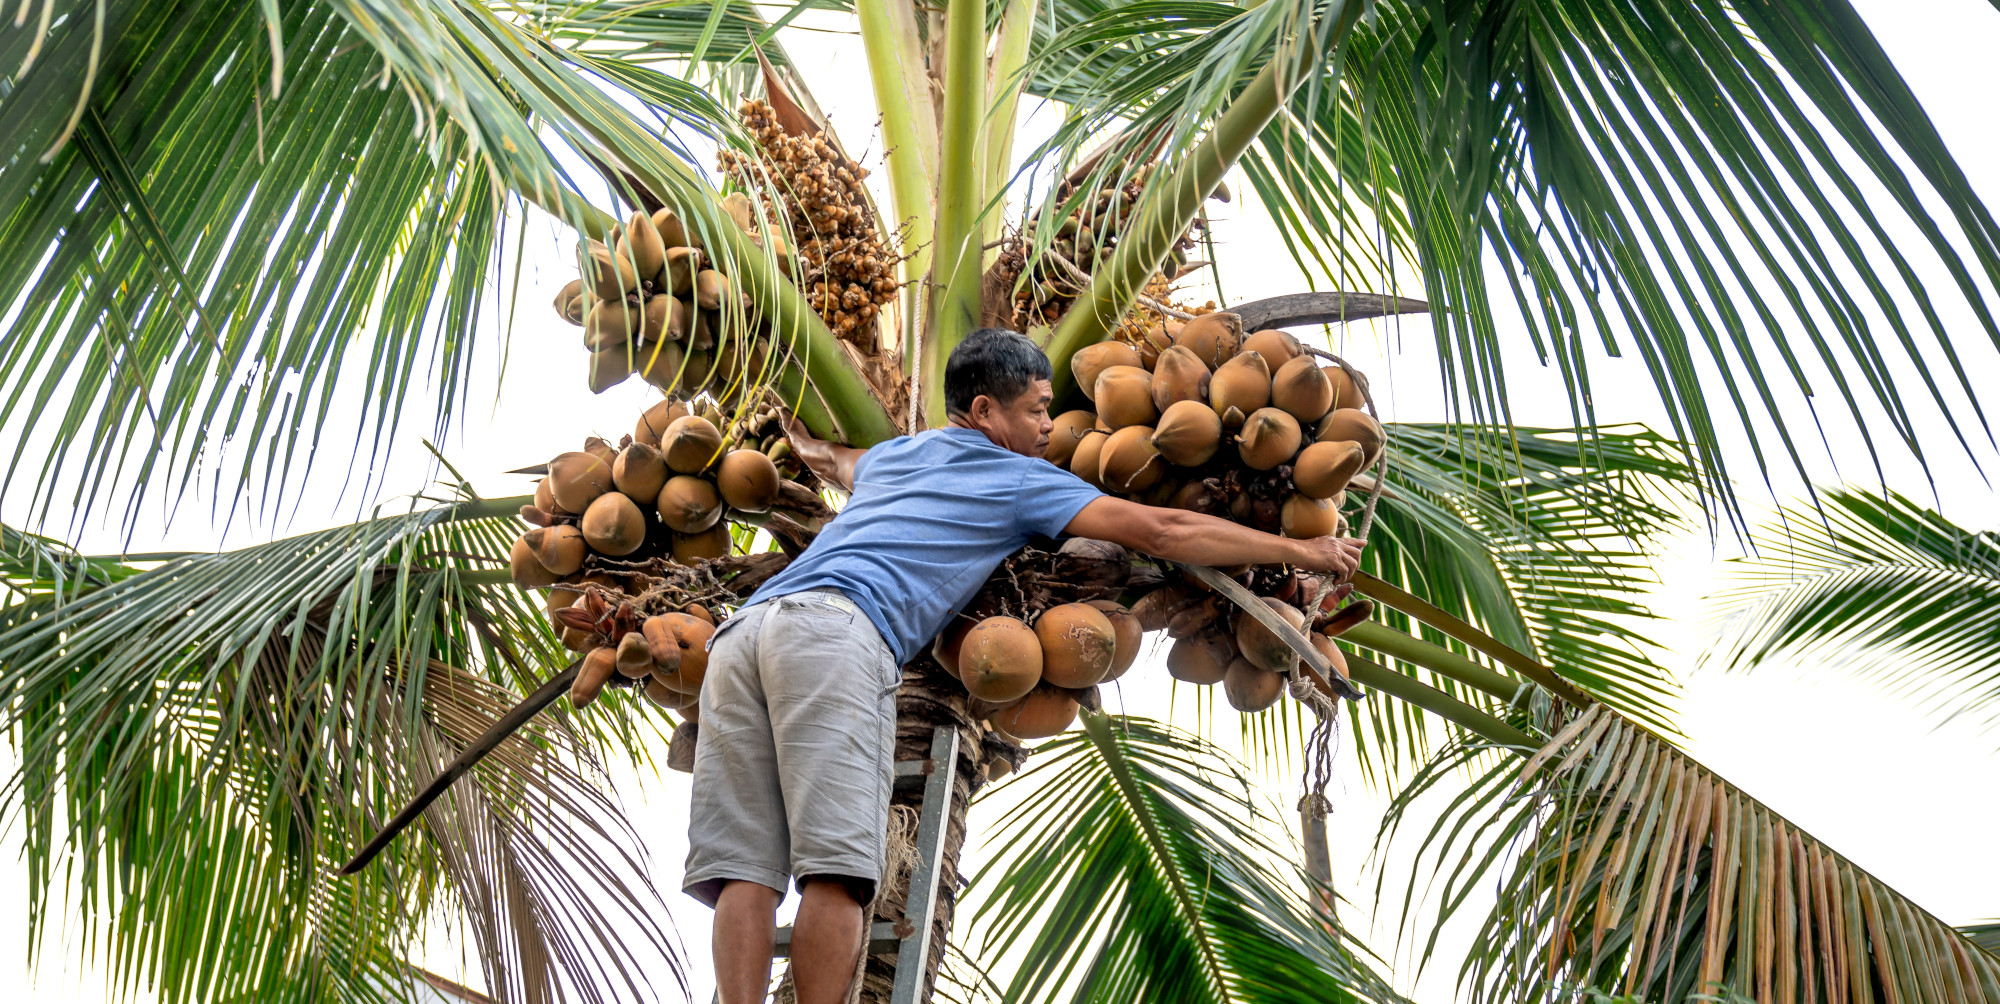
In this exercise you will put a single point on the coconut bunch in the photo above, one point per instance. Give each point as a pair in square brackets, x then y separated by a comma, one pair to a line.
[1047, 628]
[653, 303]
[1045, 286]
[1145, 317]
[1199, 417]
[652, 631]
[849, 270]
[1214, 642]
[657, 499]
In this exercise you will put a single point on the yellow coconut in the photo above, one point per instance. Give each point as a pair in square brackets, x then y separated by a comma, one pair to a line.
[612, 323]
[1069, 429]
[691, 444]
[1304, 517]
[747, 480]
[1269, 438]
[1189, 433]
[1301, 388]
[610, 276]
[1124, 397]
[643, 245]
[677, 277]
[1128, 463]
[1277, 347]
[634, 662]
[1085, 461]
[599, 666]
[690, 635]
[1323, 470]
[653, 424]
[1212, 337]
[688, 504]
[1346, 392]
[1260, 645]
[1179, 376]
[711, 289]
[639, 471]
[577, 479]
[1078, 645]
[1156, 340]
[1200, 658]
[672, 231]
[1045, 712]
[1240, 386]
[945, 647]
[713, 542]
[1157, 607]
[1354, 426]
[545, 497]
[608, 368]
[1128, 635]
[1000, 660]
[570, 302]
[561, 549]
[601, 448]
[1250, 689]
[658, 693]
[528, 570]
[614, 525]
[1092, 360]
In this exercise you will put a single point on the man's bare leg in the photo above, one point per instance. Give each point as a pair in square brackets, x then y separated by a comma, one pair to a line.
[826, 943]
[746, 931]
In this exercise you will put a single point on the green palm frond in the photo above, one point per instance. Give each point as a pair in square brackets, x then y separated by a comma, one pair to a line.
[1880, 586]
[1140, 869]
[1516, 533]
[1644, 173]
[1620, 864]
[1986, 936]
[201, 743]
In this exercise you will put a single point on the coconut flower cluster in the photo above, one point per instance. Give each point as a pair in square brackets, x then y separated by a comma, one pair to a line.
[1084, 238]
[850, 272]
[652, 303]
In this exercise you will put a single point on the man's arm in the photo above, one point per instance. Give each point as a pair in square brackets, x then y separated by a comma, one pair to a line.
[1195, 539]
[833, 462]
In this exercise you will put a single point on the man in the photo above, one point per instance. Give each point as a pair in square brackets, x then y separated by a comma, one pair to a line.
[793, 762]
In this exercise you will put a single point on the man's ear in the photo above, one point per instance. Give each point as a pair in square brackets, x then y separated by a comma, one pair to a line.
[981, 409]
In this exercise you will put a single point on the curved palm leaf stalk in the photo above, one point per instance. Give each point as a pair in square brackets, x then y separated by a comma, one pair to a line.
[1881, 584]
[961, 204]
[1168, 208]
[1142, 868]
[1640, 872]
[201, 742]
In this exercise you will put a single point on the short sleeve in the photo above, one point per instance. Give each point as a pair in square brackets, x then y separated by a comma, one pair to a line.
[1050, 497]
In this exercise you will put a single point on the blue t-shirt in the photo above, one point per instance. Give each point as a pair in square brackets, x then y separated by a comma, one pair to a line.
[931, 516]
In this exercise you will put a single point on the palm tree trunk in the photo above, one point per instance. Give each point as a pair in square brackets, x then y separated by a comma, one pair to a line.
[928, 699]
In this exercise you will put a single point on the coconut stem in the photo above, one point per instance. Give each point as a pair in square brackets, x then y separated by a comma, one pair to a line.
[1437, 702]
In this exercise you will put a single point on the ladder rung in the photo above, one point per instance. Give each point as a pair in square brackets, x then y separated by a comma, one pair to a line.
[910, 774]
[881, 940]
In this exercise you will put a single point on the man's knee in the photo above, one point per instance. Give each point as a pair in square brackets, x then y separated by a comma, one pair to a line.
[860, 891]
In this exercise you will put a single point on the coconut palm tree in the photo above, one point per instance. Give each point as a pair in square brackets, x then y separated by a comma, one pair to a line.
[232, 215]
[1881, 586]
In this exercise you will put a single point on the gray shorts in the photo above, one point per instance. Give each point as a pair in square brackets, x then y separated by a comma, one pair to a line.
[792, 764]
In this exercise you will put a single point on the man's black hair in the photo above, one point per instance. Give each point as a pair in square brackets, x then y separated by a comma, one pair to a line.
[995, 362]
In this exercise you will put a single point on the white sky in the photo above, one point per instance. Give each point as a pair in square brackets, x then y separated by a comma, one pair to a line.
[1917, 806]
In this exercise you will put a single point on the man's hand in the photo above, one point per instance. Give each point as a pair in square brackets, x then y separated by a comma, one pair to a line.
[1195, 539]
[1339, 555]
[833, 462]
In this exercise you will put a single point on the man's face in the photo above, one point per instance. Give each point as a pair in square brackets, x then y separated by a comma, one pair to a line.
[1021, 425]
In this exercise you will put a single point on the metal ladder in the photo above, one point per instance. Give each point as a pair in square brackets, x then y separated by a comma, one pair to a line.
[910, 938]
